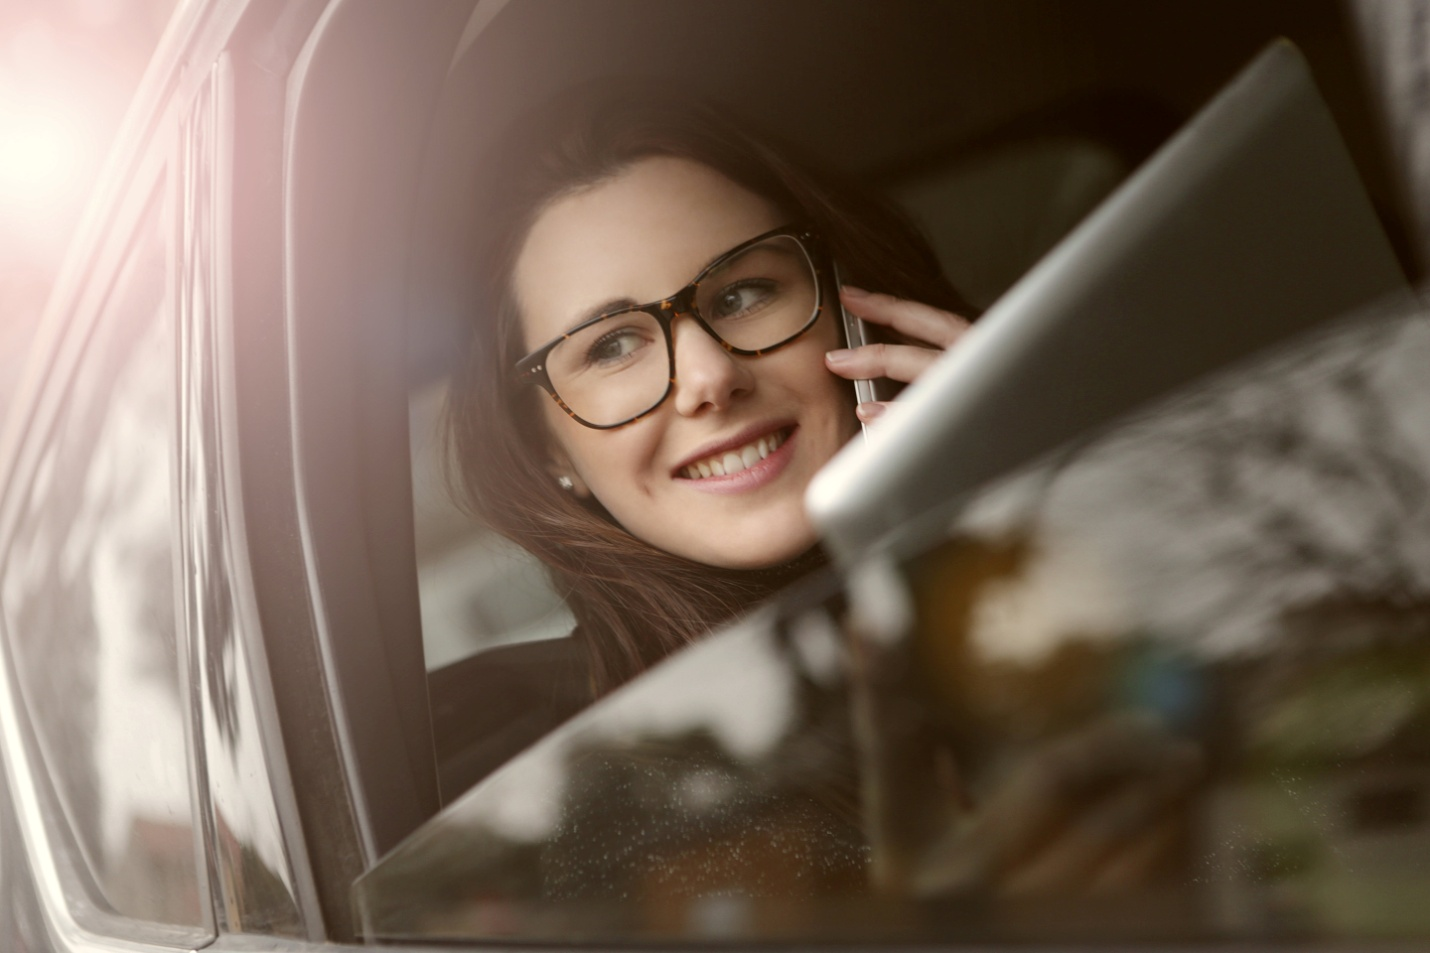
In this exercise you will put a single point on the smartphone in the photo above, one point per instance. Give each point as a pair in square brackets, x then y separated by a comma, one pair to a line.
[857, 333]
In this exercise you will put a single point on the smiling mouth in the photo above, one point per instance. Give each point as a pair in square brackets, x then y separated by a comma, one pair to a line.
[740, 458]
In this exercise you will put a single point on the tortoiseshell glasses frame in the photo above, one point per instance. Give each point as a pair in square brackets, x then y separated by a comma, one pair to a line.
[534, 369]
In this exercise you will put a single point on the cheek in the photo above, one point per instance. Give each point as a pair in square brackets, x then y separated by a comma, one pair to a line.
[841, 396]
[808, 373]
[827, 334]
[566, 443]
[834, 397]
[826, 337]
[611, 462]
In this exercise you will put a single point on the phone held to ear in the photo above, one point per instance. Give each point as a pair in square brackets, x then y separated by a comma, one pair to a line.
[858, 333]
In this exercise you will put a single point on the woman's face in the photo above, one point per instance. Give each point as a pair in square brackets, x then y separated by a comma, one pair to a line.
[640, 237]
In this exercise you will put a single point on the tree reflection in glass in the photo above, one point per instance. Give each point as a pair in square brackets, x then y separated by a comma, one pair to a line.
[1171, 683]
[90, 606]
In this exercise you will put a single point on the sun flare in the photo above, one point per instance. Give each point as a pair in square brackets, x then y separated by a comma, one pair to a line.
[40, 159]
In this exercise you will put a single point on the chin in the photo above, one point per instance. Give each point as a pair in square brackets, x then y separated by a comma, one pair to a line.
[775, 553]
[755, 541]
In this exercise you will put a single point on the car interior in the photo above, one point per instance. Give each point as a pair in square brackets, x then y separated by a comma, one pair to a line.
[345, 656]
[996, 126]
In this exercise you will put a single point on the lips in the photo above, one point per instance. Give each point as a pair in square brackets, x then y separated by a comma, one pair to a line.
[734, 455]
[735, 459]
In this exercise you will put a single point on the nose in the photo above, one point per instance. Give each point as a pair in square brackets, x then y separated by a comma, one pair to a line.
[706, 375]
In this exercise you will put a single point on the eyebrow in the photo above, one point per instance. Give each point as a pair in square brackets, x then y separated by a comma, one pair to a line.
[599, 309]
[615, 303]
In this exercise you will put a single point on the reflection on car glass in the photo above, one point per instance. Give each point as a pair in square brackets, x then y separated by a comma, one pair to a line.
[89, 599]
[726, 778]
[1233, 589]
[1171, 685]
[1293, 488]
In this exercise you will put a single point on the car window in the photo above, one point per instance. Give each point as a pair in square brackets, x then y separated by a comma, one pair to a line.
[1168, 684]
[90, 606]
[479, 592]
[993, 190]
[990, 213]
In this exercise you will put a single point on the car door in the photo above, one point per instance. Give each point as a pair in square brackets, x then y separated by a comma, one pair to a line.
[266, 630]
[148, 775]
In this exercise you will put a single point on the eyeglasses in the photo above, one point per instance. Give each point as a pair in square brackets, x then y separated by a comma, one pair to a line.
[618, 366]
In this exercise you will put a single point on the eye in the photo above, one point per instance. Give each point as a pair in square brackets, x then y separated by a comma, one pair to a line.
[742, 298]
[615, 347]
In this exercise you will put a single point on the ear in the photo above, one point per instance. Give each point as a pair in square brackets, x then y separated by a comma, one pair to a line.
[559, 466]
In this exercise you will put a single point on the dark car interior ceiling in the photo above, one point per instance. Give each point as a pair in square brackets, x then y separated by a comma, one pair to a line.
[894, 92]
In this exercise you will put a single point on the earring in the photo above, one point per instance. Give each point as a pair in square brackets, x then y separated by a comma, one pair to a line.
[565, 483]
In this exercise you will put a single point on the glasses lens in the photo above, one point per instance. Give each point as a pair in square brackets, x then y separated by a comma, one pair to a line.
[762, 297]
[613, 370]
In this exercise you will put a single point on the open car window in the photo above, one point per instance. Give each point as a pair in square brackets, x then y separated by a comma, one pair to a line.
[990, 216]
[1167, 684]
[493, 627]
[996, 126]
[993, 193]
[502, 667]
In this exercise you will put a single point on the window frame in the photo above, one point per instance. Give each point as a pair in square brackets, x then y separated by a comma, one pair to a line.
[73, 912]
[355, 91]
[234, 708]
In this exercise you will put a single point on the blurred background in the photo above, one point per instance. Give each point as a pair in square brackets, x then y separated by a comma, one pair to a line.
[68, 70]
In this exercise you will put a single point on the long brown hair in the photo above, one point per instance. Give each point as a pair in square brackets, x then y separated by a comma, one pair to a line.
[634, 603]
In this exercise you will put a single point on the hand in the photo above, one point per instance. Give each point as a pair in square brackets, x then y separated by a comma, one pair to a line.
[924, 333]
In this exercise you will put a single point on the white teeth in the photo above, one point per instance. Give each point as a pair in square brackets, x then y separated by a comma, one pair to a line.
[733, 461]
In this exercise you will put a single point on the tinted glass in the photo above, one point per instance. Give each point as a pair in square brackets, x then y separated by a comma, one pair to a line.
[1170, 685]
[90, 604]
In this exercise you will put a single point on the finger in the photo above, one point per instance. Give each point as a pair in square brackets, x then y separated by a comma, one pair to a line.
[918, 321]
[871, 410]
[900, 362]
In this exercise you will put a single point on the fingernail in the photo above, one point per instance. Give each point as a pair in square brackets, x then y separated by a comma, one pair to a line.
[854, 292]
[841, 356]
[869, 410]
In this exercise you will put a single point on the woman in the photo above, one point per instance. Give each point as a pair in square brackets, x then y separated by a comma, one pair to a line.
[666, 278]
[662, 376]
